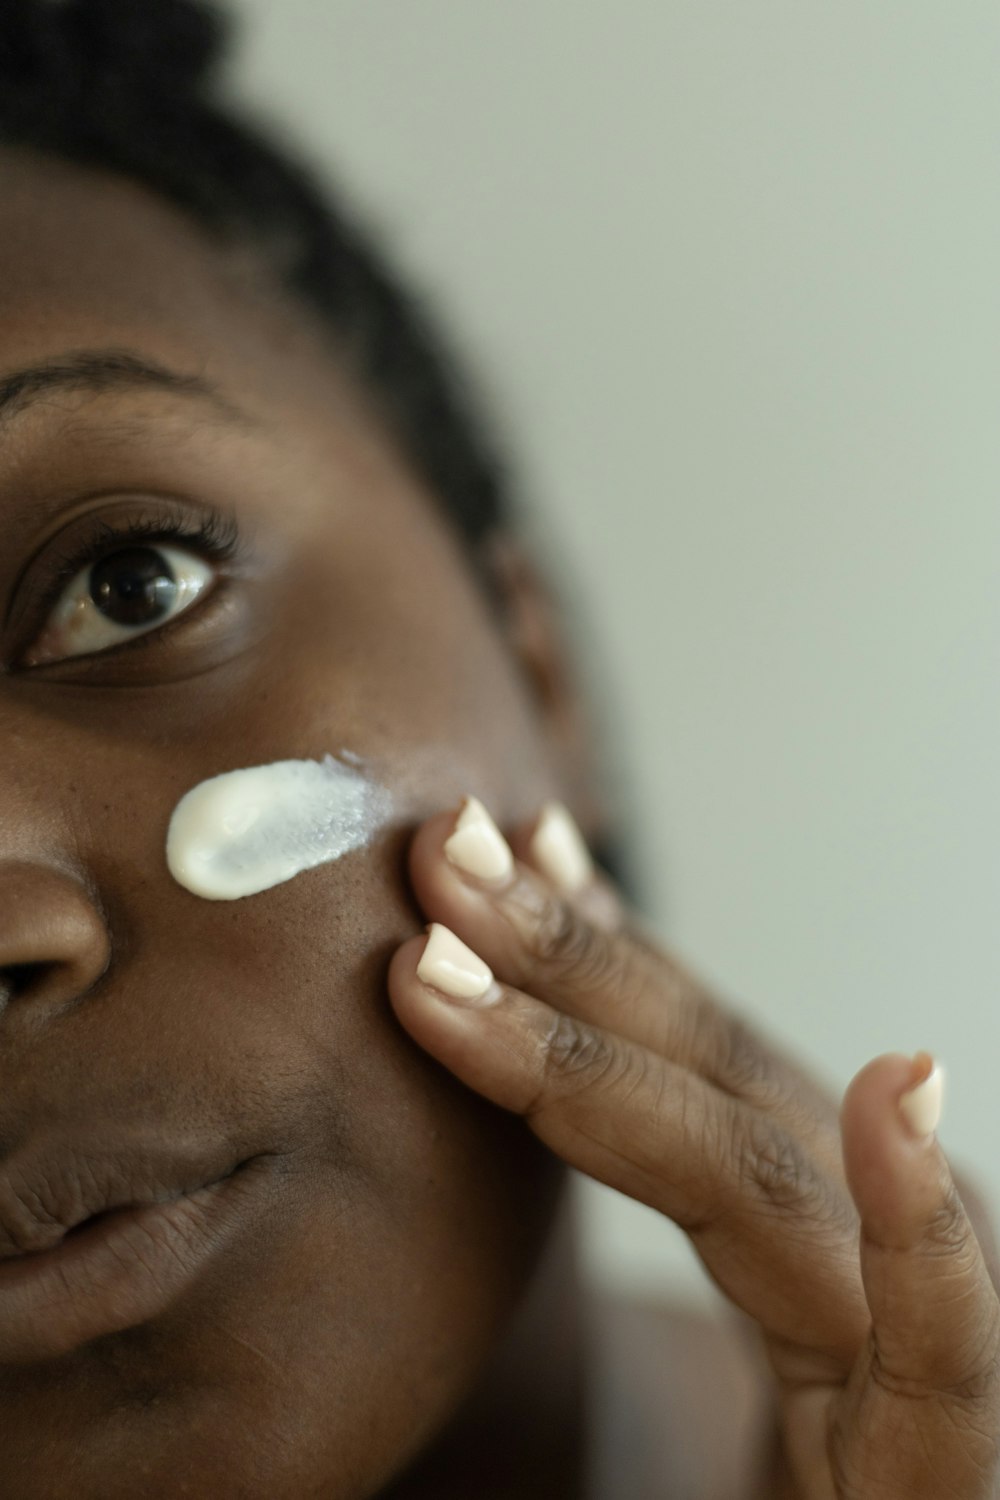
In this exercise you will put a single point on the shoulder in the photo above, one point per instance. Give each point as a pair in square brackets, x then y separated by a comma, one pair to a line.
[678, 1395]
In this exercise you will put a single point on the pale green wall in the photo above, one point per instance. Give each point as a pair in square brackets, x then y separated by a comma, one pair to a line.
[731, 274]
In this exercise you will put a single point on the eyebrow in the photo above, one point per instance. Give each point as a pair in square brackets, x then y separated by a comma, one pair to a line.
[98, 371]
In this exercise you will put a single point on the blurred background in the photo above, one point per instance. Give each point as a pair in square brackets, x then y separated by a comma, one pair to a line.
[727, 275]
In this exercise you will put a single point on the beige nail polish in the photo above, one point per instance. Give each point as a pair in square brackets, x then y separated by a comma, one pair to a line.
[558, 849]
[477, 846]
[446, 964]
[921, 1105]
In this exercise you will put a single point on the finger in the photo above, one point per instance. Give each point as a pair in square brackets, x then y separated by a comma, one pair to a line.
[982, 1224]
[768, 1224]
[930, 1377]
[540, 940]
[553, 846]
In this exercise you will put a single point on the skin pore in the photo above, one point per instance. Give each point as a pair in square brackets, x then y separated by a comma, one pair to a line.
[393, 1219]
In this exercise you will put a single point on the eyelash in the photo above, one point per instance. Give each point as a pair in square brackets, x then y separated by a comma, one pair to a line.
[215, 535]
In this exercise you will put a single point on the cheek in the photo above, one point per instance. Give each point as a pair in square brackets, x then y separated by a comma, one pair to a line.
[410, 1211]
[401, 660]
[272, 1010]
[290, 1015]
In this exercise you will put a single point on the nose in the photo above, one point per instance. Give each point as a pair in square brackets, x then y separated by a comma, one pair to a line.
[54, 942]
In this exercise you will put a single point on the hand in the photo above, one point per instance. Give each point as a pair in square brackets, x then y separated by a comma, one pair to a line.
[844, 1239]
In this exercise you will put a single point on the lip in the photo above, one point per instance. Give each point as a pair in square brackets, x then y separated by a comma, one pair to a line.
[120, 1269]
[66, 1179]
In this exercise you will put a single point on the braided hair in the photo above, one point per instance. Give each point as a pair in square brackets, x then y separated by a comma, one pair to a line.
[129, 85]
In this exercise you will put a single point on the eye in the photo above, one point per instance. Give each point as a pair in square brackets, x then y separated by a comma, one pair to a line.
[122, 594]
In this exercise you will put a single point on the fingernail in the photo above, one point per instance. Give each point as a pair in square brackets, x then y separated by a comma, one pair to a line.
[477, 846]
[921, 1105]
[446, 964]
[558, 849]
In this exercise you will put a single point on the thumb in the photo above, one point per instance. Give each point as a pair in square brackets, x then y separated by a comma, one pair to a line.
[921, 1413]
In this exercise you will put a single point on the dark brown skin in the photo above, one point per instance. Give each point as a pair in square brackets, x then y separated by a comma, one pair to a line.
[843, 1238]
[405, 1214]
[399, 1318]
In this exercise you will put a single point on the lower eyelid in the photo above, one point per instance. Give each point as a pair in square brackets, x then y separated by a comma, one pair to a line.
[114, 520]
[38, 657]
[215, 631]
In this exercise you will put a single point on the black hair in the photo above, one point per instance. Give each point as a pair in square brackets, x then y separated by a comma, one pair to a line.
[131, 86]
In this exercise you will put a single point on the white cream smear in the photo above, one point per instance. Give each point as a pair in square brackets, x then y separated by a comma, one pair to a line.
[245, 831]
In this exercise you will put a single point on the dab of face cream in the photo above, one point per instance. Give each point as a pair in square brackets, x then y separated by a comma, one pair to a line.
[244, 831]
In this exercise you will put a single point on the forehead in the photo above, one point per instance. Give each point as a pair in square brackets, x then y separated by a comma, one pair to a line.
[91, 262]
[90, 259]
[94, 262]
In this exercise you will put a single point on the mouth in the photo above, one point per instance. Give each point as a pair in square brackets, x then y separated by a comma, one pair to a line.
[123, 1265]
[59, 1189]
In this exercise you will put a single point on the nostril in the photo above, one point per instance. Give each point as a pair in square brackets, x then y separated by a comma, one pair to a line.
[54, 942]
[17, 979]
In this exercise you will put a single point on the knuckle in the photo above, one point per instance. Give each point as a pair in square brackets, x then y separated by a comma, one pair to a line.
[947, 1233]
[576, 1057]
[976, 1390]
[778, 1172]
[744, 1066]
[571, 950]
[946, 1353]
[572, 1049]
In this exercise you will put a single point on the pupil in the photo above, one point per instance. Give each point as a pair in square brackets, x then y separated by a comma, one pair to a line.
[134, 586]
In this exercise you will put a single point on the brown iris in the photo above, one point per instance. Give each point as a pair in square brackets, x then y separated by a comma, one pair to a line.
[134, 586]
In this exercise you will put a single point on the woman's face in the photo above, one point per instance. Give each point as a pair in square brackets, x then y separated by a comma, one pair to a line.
[388, 1217]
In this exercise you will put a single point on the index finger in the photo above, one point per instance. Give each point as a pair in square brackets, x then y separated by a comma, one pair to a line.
[772, 1227]
[539, 938]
